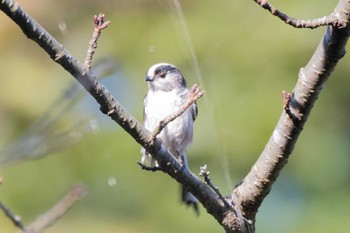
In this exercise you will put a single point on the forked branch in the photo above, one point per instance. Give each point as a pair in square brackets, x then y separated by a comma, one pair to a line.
[249, 195]
[296, 110]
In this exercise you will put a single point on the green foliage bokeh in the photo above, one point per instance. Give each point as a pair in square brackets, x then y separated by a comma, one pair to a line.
[246, 58]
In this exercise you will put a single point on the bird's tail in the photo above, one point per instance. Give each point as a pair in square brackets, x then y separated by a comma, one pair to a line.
[187, 197]
[190, 200]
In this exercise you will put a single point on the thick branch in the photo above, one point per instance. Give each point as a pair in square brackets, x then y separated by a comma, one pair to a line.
[111, 107]
[249, 195]
[257, 184]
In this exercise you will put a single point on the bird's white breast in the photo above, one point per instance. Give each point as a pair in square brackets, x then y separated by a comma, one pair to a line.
[159, 105]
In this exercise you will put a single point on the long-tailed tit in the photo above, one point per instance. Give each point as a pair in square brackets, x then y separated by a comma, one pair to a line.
[167, 93]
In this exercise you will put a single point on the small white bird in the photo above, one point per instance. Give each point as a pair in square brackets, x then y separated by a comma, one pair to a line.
[167, 94]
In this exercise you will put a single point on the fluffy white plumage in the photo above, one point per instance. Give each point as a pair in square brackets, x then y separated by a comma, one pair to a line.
[167, 93]
[159, 103]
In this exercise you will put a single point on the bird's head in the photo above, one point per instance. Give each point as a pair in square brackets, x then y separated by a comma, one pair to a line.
[164, 77]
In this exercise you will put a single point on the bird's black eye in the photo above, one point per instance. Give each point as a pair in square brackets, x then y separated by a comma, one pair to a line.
[162, 74]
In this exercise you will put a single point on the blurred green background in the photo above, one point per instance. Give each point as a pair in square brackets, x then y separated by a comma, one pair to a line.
[246, 57]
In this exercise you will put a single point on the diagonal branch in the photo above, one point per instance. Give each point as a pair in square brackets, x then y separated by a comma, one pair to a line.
[243, 222]
[249, 195]
[51, 216]
[298, 105]
[111, 107]
[333, 19]
[58, 210]
[13, 217]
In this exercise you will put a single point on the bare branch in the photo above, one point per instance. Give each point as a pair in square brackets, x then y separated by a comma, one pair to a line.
[51, 216]
[240, 219]
[333, 19]
[100, 24]
[13, 217]
[249, 195]
[205, 173]
[195, 94]
[42, 138]
[57, 211]
[111, 107]
[257, 184]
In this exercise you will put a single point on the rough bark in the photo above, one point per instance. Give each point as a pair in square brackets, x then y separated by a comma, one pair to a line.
[247, 197]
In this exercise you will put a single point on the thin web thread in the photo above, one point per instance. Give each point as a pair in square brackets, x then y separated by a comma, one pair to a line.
[199, 78]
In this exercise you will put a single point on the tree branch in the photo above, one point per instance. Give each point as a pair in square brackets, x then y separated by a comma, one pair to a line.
[333, 19]
[100, 24]
[111, 107]
[57, 211]
[257, 184]
[248, 196]
[51, 216]
[13, 217]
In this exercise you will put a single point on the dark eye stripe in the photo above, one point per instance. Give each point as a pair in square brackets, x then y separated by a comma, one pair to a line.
[165, 69]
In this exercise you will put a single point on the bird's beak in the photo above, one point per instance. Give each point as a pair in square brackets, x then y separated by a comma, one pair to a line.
[148, 79]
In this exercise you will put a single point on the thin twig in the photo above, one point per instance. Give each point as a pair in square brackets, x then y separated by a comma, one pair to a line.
[100, 24]
[332, 19]
[204, 172]
[195, 94]
[57, 211]
[13, 217]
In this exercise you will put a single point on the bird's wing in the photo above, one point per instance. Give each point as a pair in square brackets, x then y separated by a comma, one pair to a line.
[194, 111]
[144, 106]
